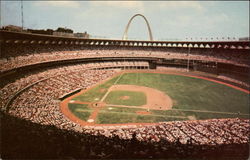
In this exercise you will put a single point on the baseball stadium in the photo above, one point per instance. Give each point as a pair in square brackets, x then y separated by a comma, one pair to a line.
[85, 98]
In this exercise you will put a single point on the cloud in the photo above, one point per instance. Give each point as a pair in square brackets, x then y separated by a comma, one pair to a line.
[141, 5]
[119, 4]
[180, 5]
[217, 20]
[66, 4]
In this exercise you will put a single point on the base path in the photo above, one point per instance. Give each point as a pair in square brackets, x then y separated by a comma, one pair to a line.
[155, 99]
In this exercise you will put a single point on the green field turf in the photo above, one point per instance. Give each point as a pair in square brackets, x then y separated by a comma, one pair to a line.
[80, 110]
[191, 96]
[115, 117]
[135, 98]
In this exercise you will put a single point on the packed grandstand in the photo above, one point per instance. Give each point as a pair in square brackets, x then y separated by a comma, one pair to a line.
[35, 76]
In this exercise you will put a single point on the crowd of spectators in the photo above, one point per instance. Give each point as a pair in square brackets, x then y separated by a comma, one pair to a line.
[18, 56]
[204, 139]
[11, 88]
[231, 79]
[40, 102]
[209, 132]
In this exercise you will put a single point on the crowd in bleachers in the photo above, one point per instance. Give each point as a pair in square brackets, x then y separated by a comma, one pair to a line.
[211, 132]
[228, 78]
[25, 140]
[11, 88]
[39, 103]
[20, 61]
[34, 54]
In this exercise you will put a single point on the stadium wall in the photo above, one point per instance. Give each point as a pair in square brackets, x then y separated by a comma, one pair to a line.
[14, 44]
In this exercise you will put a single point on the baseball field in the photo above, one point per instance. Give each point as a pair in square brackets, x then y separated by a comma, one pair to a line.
[155, 97]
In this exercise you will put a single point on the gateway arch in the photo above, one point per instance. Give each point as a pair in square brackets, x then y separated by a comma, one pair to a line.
[125, 35]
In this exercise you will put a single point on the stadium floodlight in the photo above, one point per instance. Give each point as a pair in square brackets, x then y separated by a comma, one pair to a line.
[22, 12]
[188, 57]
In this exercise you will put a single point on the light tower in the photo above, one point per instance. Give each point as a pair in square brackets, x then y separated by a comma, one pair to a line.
[22, 13]
[0, 14]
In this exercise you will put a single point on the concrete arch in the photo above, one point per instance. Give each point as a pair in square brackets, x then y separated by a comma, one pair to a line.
[125, 36]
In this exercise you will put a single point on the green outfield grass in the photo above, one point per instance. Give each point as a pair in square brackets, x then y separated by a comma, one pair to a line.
[116, 117]
[191, 96]
[135, 98]
[80, 110]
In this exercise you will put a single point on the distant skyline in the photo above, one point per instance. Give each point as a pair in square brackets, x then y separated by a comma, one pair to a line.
[108, 19]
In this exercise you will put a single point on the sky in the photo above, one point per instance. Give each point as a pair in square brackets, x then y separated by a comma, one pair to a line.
[169, 20]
